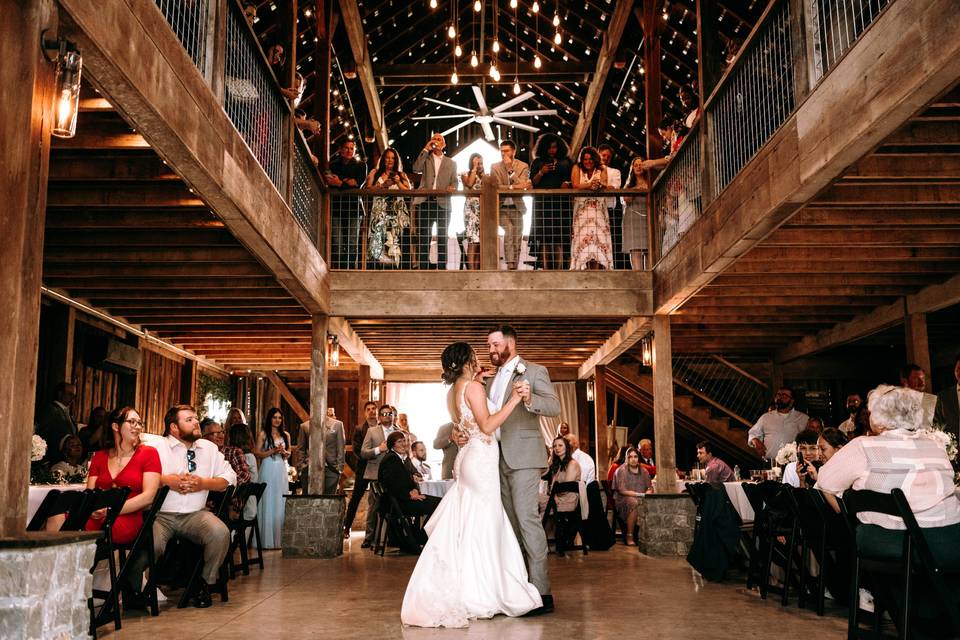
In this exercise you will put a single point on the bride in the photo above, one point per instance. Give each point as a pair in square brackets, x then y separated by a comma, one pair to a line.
[472, 566]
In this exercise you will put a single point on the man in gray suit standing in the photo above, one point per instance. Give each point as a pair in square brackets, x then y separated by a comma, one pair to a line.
[373, 449]
[445, 442]
[523, 454]
[439, 173]
[511, 174]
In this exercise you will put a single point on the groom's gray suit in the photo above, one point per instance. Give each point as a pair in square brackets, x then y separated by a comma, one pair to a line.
[523, 457]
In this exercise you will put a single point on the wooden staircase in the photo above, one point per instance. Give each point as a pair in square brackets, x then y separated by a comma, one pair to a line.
[691, 417]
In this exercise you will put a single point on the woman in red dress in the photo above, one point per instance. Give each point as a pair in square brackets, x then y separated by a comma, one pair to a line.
[123, 461]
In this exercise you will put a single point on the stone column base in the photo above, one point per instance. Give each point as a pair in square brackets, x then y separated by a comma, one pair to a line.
[313, 526]
[45, 581]
[666, 524]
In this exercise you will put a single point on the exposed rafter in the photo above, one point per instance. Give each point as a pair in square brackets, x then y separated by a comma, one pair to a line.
[361, 56]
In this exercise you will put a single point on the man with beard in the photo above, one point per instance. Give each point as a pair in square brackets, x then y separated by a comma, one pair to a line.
[191, 467]
[849, 425]
[778, 426]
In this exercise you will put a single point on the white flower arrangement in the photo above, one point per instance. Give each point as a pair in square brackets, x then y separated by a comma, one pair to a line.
[946, 440]
[787, 454]
[38, 448]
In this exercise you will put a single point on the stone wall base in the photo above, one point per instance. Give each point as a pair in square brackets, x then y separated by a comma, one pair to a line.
[44, 591]
[313, 526]
[666, 524]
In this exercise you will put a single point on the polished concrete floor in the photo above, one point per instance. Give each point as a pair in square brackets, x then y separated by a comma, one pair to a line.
[615, 594]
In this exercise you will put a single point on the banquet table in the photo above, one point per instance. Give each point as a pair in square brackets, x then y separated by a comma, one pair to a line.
[436, 488]
[739, 499]
[38, 492]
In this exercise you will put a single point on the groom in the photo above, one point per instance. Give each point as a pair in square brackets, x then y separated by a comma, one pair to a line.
[522, 451]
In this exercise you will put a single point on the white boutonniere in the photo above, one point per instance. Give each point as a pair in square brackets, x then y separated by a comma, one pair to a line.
[521, 369]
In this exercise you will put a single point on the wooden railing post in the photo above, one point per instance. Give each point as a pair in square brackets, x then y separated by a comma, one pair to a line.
[489, 226]
[217, 46]
[801, 39]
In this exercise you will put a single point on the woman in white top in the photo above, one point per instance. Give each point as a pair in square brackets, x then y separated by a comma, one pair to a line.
[592, 246]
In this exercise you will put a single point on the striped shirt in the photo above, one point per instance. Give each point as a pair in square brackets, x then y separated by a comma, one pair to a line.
[896, 459]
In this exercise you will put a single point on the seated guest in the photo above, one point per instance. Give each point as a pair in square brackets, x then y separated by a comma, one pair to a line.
[192, 467]
[896, 457]
[563, 429]
[55, 421]
[588, 469]
[793, 474]
[418, 458]
[563, 467]
[629, 483]
[815, 425]
[645, 449]
[92, 434]
[853, 403]
[239, 453]
[715, 469]
[617, 463]
[213, 431]
[73, 458]
[398, 482]
[829, 442]
[122, 461]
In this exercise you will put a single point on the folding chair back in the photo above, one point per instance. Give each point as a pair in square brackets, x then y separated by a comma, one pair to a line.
[58, 503]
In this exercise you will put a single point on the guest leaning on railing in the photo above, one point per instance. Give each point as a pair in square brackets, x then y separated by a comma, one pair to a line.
[895, 455]
[472, 181]
[389, 217]
[636, 242]
[592, 246]
[553, 214]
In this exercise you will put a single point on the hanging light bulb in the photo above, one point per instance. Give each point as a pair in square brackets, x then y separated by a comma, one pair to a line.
[557, 38]
[452, 32]
[433, 4]
[496, 46]
[537, 63]
[516, 87]
[474, 61]
[477, 6]
[556, 19]
[494, 72]
[454, 79]
[457, 51]
[536, 7]
[513, 4]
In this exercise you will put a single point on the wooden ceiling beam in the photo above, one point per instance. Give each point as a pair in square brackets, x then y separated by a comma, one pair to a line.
[608, 51]
[905, 166]
[845, 194]
[812, 280]
[619, 343]
[168, 287]
[906, 236]
[711, 292]
[354, 345]
[139, 255]
[353, 25]
[788, 268]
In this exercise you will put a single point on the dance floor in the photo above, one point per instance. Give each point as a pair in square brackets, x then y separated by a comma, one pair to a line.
[611, 595]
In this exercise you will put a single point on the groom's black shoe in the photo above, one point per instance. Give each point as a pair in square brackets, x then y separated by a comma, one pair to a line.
[546, 607]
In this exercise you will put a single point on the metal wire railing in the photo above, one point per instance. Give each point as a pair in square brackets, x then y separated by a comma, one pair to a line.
[305, 201]
[722, 385]
[676, 198]
[252, 98]
[755, 100]
[836, 25]
[189, 20]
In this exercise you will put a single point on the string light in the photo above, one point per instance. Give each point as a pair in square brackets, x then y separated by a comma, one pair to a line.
[433, 4]
[454, 79]
[537, 63]
[477, 6]
[457, 51]
[556, 19]
[496, 46]
[452, 32]
[536, 7]
[557, 38]
[474, 61]
[516, 86]
[513, 4]
[494, 72]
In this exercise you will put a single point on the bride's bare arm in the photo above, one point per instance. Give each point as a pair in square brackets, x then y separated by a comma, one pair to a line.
[477, 399]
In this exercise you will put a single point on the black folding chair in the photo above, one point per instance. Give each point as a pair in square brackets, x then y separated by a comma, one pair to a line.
[567, 524]
[71, 504]
[112, 501]
[774, 518]
[830, 547]
[618, 522]
[239, 525]
[143, 545]
[390, 517]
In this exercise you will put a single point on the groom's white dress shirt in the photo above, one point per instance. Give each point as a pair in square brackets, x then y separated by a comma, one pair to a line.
[500, 382]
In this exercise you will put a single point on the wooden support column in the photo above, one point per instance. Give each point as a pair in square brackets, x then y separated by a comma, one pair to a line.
[61, 344]
[711, 67]
[600, 420]
[27, 95]
[918, 347]
[318, 402]
[321, 78]
[489, 226]
[663, 427]
[583, 416]
[650, 23]
[188, 383]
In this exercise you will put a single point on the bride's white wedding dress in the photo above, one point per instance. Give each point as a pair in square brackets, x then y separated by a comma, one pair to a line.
[472, 566]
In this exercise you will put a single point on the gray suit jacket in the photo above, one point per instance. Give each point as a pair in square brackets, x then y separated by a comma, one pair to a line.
[521, 443]
[948, 410]
[446, 177]
[521, 175]
[370, 453]
[450, 449]
[334, 445]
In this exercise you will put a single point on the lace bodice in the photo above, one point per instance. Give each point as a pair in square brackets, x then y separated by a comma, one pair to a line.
[468, 422]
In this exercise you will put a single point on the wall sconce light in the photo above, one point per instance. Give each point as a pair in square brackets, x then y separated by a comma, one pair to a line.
[67, 98]
[333, 351]
[589, 390]
[375, 386]
[646, 350]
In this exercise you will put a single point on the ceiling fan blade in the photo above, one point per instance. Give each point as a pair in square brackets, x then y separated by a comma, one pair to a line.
[512, 101]
[538, 112]
[451, 105]
[488, 131]
[480, 100]
[459, 126]
[518, 125]
[453, 115]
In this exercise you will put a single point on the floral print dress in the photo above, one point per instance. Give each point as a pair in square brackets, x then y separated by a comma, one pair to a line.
[388, 218]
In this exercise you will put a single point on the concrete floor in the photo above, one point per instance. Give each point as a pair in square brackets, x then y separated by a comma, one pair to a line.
[610, 595]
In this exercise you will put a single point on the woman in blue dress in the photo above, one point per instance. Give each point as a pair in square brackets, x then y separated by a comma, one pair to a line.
[272, 450]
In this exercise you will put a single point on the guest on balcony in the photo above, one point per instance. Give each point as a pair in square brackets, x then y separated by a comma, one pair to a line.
[553, 214]
[439, 174]
[389, 217]
[472, 181]
[636, 242]
[511, 173]
[592, 246]
[346, 172]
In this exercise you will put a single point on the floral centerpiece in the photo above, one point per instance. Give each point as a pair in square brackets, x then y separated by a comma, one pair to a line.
[41, 473]
[38, 448]
[787, 454]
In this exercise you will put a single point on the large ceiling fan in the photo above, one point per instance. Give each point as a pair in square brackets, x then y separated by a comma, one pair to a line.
[484, 115]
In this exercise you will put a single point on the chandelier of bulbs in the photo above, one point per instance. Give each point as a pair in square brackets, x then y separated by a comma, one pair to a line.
[453, 33]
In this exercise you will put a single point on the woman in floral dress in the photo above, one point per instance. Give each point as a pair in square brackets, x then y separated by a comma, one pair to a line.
[388, 216]
[592, 246]
[471, 210]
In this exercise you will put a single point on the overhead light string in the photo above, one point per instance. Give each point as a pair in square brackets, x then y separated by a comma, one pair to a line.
[516, 54]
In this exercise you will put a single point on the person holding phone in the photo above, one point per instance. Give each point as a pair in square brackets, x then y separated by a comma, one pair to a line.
[552, 214]
[472, 181]
[797, 474]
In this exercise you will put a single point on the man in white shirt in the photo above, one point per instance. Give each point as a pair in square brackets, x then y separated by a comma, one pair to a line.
[418, 458]
[192, 467]
[849, 425]
[614, 215]
[588, 470]
[947, 411]
[777, 427]
[439, 174]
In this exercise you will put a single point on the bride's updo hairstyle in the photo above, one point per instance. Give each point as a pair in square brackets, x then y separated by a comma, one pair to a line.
[454, 359]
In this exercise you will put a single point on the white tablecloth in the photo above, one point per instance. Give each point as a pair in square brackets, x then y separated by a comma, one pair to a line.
[39, 491]
[739, 499]
[437, 488]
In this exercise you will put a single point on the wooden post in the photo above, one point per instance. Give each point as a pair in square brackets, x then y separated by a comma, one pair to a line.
[709, 71]
[321, 92]
[600, 420]
[650, 22]
[663, 428]
[28, 98]
[216, 48]
[489, 226]
[61, 344]
[583, 415]
[802, 39]
[188, 383]
[918, 347]
[318, 402]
